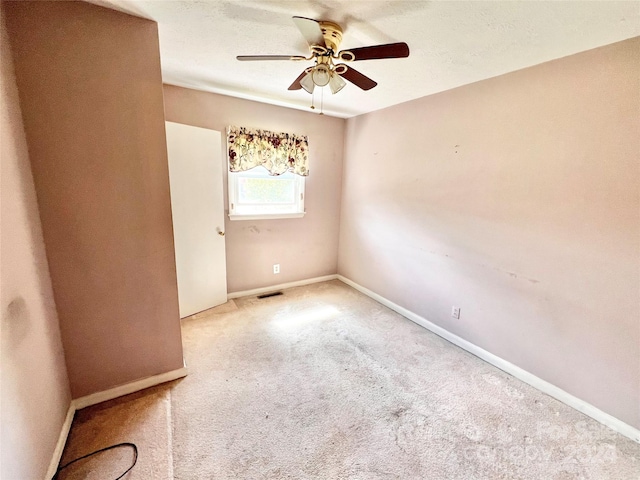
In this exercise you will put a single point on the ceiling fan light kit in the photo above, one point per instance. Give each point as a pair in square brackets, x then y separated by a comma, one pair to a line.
[324, 39]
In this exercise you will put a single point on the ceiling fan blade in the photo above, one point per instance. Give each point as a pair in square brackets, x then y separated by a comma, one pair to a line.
[358, 79]
[389, 50]
[251, 58]
[310, 30]
[296, 83]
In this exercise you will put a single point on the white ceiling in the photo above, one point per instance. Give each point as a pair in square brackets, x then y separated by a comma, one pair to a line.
[452, 43]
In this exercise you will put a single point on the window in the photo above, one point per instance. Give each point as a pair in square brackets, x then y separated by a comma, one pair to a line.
[254, 194]
[266, 173]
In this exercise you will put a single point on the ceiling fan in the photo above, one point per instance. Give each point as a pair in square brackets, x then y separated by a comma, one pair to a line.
[324, 38]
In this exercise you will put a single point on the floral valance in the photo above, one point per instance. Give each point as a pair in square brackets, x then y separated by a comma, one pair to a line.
[277, 152]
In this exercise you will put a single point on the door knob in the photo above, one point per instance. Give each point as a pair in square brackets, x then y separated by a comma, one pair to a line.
[221, 234]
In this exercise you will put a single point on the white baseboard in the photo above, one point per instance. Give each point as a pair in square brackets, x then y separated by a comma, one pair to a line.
[536, 382]
[62, 440]
[281, 286]
[128, 388]
[99, 397]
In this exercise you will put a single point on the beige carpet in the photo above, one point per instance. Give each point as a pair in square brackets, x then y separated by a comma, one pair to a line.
[324, 383]
[142, 418]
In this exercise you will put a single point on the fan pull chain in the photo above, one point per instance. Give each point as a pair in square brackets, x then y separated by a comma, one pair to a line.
[322, 101]
[312, 105]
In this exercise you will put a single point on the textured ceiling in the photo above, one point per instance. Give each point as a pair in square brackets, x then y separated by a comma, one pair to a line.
[452, 43]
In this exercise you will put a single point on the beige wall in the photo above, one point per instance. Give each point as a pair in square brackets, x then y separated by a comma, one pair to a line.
[34, 388]
[305, 247]
[518, 200]
[91, 97]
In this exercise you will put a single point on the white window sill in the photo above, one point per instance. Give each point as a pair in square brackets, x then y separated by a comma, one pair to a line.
[267, 216]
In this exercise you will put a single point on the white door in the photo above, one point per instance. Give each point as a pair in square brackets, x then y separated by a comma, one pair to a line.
[195, 177]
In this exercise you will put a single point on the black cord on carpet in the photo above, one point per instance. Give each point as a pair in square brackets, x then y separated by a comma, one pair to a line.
[125, 444]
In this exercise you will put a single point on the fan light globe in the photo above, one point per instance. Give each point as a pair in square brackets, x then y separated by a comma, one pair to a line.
[337, 83]
[307, 83]
[321, 75]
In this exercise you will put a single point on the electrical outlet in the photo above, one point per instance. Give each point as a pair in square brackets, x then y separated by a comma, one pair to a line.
[455, 312]
[276, 268]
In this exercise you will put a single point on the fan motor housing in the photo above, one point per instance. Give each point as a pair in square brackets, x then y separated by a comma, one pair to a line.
[332, 34]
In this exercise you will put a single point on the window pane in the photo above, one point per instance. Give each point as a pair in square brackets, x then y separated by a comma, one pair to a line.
[266, 190]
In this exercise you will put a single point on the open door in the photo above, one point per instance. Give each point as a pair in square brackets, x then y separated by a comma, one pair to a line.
[197, 203]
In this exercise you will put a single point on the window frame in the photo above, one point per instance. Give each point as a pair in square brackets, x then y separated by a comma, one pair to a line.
[261, 172]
